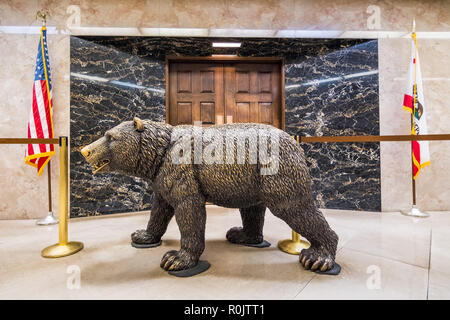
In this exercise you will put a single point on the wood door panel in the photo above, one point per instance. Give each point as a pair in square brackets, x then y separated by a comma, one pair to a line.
[184, 113]
[262, 97]
[218, 92]
[257, 87]
[200, 85]
[207, 113]
[197, 96]
[242, 112]
[265, 112]
[184, 81]
[264, 82]
[242, 82]
[207, 81]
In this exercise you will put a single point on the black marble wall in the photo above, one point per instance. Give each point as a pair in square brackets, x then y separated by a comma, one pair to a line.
[331, 88]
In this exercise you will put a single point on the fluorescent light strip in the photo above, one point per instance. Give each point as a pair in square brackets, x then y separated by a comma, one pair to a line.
[226, 44]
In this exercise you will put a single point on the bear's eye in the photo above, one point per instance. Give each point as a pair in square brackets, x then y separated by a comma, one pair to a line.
[110, 137]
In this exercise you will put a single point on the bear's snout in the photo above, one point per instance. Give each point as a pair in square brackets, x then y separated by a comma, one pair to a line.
[95, 155]
[85, 152]
[93, 151]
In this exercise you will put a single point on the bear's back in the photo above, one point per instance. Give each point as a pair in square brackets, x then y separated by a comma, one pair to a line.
[226, 159]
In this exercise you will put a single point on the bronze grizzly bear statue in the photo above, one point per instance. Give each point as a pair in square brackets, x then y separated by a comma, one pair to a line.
[190, 165]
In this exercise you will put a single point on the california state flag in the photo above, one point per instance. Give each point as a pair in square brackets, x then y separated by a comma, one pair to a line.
[413, 100]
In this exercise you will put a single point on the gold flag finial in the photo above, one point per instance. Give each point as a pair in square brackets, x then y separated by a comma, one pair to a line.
[42, 15]
[414, 26]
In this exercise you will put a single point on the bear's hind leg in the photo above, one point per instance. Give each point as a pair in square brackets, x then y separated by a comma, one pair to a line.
[251, 232]
[160, 216]
[312, 225]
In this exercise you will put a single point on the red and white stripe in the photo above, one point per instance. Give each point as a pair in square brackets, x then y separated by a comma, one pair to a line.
[40, 126]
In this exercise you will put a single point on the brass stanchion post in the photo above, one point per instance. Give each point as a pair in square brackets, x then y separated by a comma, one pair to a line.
[64, 247]
[296, 244]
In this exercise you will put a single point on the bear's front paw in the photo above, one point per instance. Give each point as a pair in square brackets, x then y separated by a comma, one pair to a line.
[178, 260]
[143, 237]
[312, 258]
[237, 235]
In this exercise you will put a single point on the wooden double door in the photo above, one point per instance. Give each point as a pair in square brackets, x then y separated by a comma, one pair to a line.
[218, 92]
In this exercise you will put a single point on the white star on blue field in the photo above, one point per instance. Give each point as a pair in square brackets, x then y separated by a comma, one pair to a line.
[40, 70]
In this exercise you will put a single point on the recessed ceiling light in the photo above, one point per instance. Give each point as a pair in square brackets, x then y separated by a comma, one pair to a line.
[226, 44]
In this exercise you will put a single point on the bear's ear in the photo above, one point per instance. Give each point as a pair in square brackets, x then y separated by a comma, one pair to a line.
[138, 124]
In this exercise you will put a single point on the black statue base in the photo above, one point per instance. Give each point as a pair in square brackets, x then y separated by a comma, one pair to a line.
[333, 271]
[263, 244]
[201, 266]
[145, 245]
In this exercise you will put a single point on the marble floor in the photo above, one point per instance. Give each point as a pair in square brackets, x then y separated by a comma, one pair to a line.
[383, 256]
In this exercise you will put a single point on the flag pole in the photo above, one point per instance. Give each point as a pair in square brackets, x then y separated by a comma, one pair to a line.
[413, 122]
[415, 211]
[49, 219]
[49, 184]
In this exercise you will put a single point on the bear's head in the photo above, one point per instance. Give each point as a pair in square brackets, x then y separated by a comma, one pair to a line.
[119, 150]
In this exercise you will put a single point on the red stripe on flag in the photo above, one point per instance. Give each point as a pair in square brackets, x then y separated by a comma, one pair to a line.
[37, 120]
[47, 107]
[416, 153]
[416, 150]
[40, 162]
[45, 96]
[50, 128]
[415, 170]
[408, 101]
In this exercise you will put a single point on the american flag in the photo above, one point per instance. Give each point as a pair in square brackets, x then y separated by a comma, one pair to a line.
[40, 124]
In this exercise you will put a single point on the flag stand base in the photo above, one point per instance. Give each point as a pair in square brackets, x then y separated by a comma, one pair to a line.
[294, 245]
[415, 212]
[48, 220]
[62, 250]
